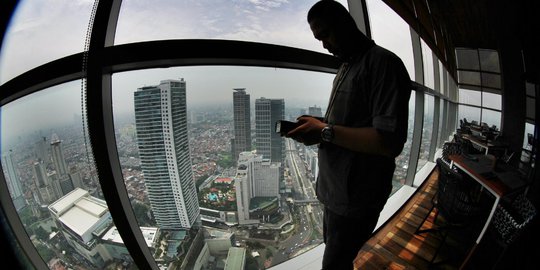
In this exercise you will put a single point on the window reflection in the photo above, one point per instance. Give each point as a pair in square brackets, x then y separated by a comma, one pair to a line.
[53, 185]
[273, 212]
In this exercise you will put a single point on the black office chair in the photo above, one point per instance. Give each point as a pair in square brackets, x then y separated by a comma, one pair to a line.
[510, 220]
[457, 200]
[450, 148]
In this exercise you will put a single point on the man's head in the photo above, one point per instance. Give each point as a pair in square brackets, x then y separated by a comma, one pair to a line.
[334, 26]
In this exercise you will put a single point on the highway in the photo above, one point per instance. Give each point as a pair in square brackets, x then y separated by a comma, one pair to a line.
[307, 215]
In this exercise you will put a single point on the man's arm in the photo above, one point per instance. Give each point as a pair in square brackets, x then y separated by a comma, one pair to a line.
[366, 139]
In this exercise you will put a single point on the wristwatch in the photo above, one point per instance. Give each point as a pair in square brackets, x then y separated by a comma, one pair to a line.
[327, 133]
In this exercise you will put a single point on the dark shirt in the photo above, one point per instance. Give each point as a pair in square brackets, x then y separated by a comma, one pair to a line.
[372, 89]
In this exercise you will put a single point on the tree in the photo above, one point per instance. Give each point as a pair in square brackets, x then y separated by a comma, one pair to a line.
[46, 253]
[41, 234]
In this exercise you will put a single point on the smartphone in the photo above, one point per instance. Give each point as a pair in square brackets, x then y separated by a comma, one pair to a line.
[283, 126]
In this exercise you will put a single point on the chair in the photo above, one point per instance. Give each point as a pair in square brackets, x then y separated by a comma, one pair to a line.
[510, 220]
[457, 200]
[450, 148]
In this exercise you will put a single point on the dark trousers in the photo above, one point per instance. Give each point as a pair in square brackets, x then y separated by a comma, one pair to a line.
[344, 237]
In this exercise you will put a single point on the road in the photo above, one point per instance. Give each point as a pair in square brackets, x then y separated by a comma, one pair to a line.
[307, 216]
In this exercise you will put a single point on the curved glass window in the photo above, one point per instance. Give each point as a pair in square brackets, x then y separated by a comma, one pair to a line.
[491, 101]
[470, 97]
[390, 31]
[491, 118]
[469, 112]
[176, 131]
[402, 161]
[489, 60]
[427, 61]
[40, 32]
[275, 22]
[427, 131]
[52, 182]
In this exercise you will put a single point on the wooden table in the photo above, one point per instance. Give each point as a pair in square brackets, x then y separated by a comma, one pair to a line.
[499, 183]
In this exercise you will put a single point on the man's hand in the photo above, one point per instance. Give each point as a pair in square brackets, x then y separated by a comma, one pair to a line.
[308, 132]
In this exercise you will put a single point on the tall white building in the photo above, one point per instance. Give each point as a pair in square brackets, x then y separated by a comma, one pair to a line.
[255, 177]
[161, 124]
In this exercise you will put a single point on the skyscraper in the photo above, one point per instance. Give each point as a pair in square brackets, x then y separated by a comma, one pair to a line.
[315, 111]
[13, 181]
[242, 123]
[62, 171]
[58, 156]
[269, 143]
[43, 188]
[161, 124]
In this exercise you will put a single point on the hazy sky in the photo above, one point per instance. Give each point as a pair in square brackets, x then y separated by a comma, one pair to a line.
[45, 30]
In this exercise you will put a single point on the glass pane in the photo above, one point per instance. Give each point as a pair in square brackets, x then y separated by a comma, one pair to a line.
[41, 31]
[402, 161]
[529, 135]
[492, 101]
[442, 72]
[275, 22]
[467, 59]
[469, 77]
[209, 113]
[491, 118]
[53, 185]
[443, 135]
[470, 97]
[390, 31]
[530, 106]
[491, 80]
[427, 130]
[530, 89]
[489, 60]
[469, 113]
[427, 61]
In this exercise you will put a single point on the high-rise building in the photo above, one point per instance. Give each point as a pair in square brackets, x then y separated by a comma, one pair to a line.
[41, 150]
[269, 143]
[62, 171]
[161, 124]
[242, 123]
[43, 188]
[58, 156]
[315, 111]
[13, 181]
[255, 177]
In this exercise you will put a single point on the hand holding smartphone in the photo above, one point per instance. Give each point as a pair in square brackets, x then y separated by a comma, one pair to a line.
[283, 126]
